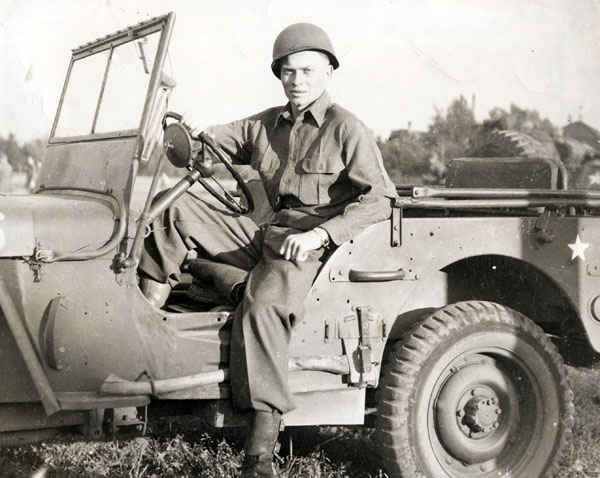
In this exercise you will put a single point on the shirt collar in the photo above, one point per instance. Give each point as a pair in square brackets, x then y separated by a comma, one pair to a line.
[285, 112]
[317, 110]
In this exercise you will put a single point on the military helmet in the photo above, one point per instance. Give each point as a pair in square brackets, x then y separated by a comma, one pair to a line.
[301, 37]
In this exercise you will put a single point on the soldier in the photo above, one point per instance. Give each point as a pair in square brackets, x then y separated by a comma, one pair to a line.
[324, 177]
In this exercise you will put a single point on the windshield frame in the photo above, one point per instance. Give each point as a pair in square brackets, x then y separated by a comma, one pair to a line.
[163, 24]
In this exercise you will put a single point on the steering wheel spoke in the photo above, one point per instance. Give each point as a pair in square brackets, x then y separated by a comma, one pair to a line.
[223, 196]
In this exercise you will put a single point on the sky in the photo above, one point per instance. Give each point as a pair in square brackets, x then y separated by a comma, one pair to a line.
[399, 59]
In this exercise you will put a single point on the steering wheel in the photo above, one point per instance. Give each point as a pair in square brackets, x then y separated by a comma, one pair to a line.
[182, 151]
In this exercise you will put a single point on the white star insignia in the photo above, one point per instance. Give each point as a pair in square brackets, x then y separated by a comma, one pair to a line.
[594, 178]
[578, 248]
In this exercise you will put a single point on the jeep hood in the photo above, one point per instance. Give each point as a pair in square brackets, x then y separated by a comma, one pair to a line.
[62, 223]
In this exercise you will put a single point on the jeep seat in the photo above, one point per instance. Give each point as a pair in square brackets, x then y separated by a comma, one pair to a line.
[510, 172]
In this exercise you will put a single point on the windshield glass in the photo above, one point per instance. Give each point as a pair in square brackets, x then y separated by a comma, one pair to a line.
[126, 85]
[94, 106]
[79, 104]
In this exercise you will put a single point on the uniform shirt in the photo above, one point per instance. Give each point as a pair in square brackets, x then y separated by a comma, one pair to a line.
[323, 169]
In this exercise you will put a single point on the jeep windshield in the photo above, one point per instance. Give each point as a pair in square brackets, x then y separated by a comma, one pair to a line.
[108, 118]
[107, 84]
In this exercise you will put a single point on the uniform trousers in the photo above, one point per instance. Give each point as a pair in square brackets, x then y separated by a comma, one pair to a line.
[272, 301]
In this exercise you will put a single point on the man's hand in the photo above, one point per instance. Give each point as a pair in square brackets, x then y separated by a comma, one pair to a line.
[297, 246]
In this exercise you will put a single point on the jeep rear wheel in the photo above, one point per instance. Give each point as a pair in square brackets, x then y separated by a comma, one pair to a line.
[475, 390]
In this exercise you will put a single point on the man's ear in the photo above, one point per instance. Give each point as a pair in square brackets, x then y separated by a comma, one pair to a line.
[329, 70]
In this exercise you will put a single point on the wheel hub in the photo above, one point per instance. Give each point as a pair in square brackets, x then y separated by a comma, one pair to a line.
[475, 411]
[481, 415]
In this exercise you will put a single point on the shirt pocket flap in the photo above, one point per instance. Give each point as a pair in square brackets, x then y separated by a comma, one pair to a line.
[317, 164]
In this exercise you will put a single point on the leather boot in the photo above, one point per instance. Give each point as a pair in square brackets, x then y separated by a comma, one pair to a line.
[156, 292]
[260, 445]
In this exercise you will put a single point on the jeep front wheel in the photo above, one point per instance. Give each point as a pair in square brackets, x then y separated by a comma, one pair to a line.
[475, 390]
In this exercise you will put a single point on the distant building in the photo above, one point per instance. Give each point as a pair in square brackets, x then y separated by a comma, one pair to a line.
[404, 133]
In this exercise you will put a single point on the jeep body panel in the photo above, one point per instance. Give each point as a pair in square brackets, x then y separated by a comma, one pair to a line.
[16, 227]
[166, 344]
[431, 245]
[50, 221]
[85, 331]
[105, 166]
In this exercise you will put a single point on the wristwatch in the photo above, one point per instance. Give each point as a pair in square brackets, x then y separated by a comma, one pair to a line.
[323, 234]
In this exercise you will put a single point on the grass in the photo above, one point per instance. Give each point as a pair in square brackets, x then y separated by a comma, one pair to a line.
[582, 458]
[180, 448]
[183, 448]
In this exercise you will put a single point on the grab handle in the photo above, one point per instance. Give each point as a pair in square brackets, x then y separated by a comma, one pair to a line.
[376, 276]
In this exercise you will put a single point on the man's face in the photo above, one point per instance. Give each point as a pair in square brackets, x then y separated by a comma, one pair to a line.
[304, 76]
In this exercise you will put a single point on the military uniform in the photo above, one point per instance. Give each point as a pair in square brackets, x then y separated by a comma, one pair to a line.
[325, 170]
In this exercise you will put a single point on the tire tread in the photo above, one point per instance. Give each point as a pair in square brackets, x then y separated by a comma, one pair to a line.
[400, 374]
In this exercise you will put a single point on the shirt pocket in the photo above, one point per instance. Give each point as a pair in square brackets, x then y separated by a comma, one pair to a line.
[318, 172]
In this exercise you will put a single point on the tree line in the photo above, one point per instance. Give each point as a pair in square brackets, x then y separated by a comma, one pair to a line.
[416, 157]
[18, 154]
